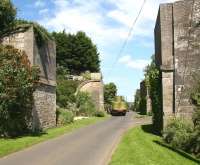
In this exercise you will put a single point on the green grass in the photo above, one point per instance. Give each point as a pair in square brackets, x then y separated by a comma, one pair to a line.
[139, 147]
[8, 146]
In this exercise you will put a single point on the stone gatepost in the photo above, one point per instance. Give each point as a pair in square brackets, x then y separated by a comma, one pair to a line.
[44, 56]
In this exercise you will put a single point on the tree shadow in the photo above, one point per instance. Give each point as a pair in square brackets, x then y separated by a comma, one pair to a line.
[180, 152]
[31, 134]
[149, 129]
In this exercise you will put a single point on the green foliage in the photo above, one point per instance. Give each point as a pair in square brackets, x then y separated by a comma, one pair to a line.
[85, 104]
[7, 16]
[64, 116]
[99, 114]
[41, 34]
[140, 103]
[76, 52]
[143, 106]
[139, 147]
[110, 92]
[194, 143]
[86, 75]
[65, 91]
[181, 134]
[195, 93]
[17, 83]
[153, 81]
[177, 133]
[8, 146]
[136, 105]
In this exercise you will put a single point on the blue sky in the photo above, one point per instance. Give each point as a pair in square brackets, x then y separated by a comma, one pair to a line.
[107, 22]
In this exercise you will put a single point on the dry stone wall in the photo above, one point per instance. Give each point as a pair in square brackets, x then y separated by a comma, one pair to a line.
[44, 110]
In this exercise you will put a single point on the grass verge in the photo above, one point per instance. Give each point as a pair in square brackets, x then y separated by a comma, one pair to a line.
[140, 147]
[8, 146]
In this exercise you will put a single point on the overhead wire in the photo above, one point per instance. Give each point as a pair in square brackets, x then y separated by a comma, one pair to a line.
[128, 36]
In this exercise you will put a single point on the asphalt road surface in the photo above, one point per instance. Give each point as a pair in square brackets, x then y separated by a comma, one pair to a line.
[92, 145]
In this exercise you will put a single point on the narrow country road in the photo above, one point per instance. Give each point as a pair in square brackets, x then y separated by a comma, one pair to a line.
[91, 145]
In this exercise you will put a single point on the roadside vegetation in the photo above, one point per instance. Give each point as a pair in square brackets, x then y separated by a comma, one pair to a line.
[153, 84]
[140, 147]
[184, 134]
[8, 145]
[18, 80]
[180, 133]
[110, 92]
[76, 55]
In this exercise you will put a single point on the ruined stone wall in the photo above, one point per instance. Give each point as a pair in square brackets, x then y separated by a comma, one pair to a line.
[95, 88]
[164, 56]
[44, 110]
[186, 52]
[177, 49]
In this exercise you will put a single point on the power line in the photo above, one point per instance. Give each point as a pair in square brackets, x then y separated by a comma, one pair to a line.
[128, 36]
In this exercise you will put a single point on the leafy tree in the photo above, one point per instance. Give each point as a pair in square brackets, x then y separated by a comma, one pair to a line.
[110, 92]
[153, 81]
[7, 16]
[85, 104]
[76, 52]
[65, 90]
[136, 104]
[17, 83]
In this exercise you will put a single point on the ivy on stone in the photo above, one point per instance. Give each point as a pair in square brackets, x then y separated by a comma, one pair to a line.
[18, 80]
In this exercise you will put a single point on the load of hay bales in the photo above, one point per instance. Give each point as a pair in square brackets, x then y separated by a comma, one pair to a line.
[119, 106]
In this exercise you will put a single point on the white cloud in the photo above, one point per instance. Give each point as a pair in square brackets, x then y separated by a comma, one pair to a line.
[91, 17]
[135, 64]
[40, 3]
[43, 11]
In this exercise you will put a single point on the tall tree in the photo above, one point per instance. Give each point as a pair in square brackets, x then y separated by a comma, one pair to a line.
[110, 92]
[77, 53]
[136, 104]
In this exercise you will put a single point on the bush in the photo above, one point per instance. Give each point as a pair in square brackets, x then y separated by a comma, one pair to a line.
[17, 83]
[99, 114]
[194, 143]
[65, 92]
[7, 16]
[85, 104]
[178, 133]
[64, 116]
[153, 81]
[143, 106]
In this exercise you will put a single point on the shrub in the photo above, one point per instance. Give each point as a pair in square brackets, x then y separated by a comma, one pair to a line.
[85, 104]
[86, 75]
[153, 81]
[143, 106]
[65, 92]
[17, 83]
[194, 143]
[178, 133]
[99, 114]
[7, 16]
[64, 116]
